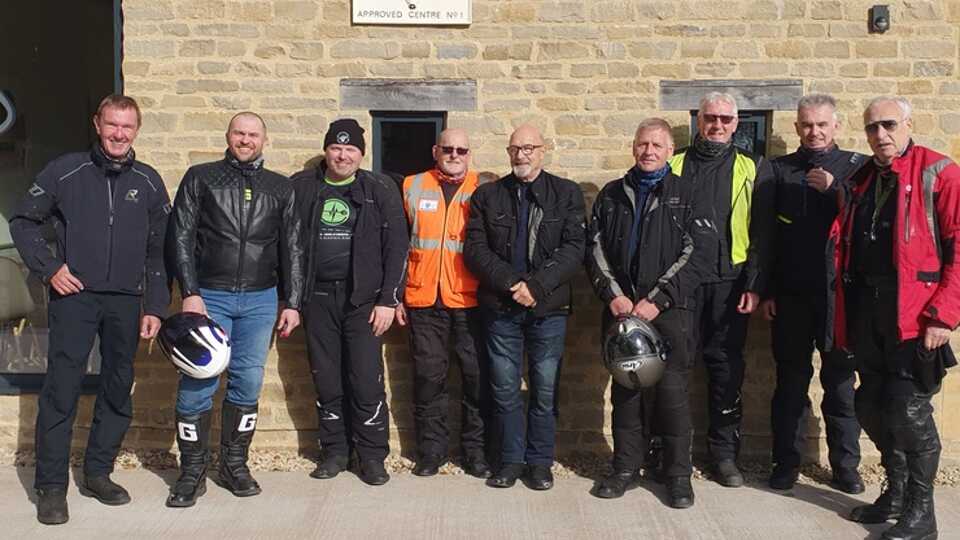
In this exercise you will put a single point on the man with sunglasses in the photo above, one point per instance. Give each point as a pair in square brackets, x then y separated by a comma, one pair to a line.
[794, 205]
[727, 295]
[895, 241]
[525, 242]
[440, 302]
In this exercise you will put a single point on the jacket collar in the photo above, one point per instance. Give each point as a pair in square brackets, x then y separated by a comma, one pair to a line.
[538, 188]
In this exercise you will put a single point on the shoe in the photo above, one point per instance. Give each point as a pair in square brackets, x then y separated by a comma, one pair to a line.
[507, 475]
[848, 481]
[889, 505]
[238, 424]
[330, 467]
[373, 472]
[539, 477]
[615, 484]
[192, 482]
[105, 490]
[428, 465]
[726, 473]
[477, 466]
[783, 477]
[679, 492]
[52, 506]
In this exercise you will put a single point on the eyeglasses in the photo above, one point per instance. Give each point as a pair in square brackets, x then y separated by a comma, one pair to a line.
[457, 149]
[722, 118]
[527, 149]
[888, 125]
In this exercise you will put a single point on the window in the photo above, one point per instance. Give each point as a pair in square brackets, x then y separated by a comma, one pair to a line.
[403, 141]
[751, 134]
[57, 71]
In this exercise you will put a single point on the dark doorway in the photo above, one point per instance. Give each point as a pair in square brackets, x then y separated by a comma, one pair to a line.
[402, 141]
[57, 61]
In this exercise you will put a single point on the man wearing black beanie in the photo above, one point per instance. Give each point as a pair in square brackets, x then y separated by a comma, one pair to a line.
[356, 255]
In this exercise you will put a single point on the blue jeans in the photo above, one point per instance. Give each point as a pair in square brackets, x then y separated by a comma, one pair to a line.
[248, 318]
[507, 334]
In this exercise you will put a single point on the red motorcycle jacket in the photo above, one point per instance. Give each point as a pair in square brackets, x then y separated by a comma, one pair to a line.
[927, 226]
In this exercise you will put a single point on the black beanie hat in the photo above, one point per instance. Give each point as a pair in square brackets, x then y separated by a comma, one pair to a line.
[345, 131]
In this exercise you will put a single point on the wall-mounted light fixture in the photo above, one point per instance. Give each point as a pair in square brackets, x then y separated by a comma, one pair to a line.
[879, 19]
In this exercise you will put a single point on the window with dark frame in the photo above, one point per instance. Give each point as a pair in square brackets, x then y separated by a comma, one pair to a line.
[402, 141]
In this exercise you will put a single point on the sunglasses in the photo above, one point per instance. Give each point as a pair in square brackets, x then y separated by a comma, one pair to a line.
[722, 118]
[527, 149]
[888, 125]
[457, 149]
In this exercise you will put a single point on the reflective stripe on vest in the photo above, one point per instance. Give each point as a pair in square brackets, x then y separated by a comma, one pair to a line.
[744, 174]
[930, 175]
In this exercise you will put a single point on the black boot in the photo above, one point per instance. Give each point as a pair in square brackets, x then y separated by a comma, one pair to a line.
[889, 505]
[238, 424]
[52, 506]
[918, 521]
[193, 435]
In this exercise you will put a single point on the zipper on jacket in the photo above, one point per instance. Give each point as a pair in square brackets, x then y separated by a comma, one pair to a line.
[906, 214]
[443, 239]
[243, 230]
[110, 226]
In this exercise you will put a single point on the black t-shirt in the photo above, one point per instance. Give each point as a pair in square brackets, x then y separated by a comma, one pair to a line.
[873, 241]
[333, 242]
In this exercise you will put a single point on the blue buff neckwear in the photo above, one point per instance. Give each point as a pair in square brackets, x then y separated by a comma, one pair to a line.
[642, 183]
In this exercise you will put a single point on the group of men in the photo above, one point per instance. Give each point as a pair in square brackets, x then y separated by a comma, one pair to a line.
[692, 241]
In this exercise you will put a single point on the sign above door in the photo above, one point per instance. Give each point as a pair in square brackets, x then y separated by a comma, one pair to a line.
[412, 12]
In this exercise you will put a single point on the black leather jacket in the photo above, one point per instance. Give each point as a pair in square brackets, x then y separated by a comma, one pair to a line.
[235, 227]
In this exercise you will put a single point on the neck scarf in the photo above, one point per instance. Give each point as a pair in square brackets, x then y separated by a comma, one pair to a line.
[710, 149]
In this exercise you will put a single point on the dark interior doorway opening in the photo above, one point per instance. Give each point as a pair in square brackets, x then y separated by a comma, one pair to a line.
[402, 141]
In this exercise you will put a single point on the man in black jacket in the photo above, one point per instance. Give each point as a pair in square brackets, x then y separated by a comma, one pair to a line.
[356, 233]
[728, 292]
[645, 256]
[795, 204]
[235, 234]
[109, 213]
[525, 242]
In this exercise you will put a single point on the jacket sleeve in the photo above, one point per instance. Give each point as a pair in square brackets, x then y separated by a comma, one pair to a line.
[761, 254]
[567, 259]
[944, 306]
[753, 268]
[292, 254]
[683, 276]
[156, 298]
[183, 228]
[28, 217]
[395, 241]
[489, 268]
[598, 265]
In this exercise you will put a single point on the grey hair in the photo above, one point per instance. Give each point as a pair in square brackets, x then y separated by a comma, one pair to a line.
[818, 100]
[713, 97]
[654, 123]
[905, 108]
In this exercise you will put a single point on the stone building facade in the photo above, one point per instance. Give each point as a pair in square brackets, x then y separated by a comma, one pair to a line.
[585, 72]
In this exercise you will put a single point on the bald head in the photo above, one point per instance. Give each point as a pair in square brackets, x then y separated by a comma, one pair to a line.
[452, 152]
[526, 153]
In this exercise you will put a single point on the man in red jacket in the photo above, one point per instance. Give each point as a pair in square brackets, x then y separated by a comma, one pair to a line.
[895, 246]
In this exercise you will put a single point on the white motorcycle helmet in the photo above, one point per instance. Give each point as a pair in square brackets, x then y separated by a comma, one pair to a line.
[195, 344]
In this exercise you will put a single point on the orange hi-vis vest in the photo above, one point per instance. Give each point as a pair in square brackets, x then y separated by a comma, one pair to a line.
[437, 234]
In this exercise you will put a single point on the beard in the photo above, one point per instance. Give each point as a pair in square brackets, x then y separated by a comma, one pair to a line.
[522, 171]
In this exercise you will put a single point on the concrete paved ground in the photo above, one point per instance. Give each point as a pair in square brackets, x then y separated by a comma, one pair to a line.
[295, 506]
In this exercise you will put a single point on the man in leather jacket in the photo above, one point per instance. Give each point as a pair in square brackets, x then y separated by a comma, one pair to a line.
[236, 235]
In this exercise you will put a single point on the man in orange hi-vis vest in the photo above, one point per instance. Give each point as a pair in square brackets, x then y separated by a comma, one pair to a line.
[440, 302]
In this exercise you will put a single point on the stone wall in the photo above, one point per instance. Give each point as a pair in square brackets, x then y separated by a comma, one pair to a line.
[585, 72]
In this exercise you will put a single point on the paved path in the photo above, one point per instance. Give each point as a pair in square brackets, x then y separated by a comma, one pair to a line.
[295, 506]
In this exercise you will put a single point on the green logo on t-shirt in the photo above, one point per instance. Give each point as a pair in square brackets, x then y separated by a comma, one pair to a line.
[335, 212]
